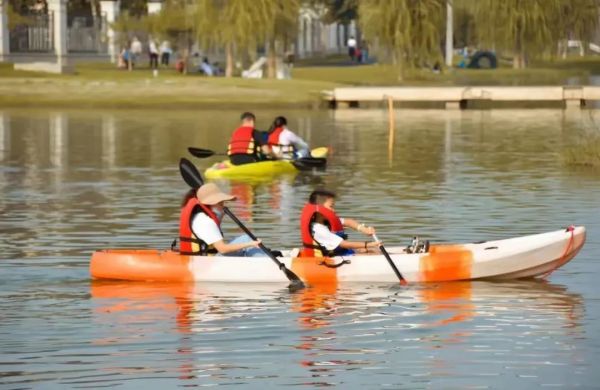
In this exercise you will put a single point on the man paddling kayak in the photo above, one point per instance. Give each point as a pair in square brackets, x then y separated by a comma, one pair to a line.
[200, 226]
[322, 230]
[246, 145]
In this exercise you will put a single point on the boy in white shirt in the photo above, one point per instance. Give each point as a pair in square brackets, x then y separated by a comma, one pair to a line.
[322, 230]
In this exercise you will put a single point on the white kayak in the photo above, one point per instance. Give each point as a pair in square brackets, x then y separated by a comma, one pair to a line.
[522, 257]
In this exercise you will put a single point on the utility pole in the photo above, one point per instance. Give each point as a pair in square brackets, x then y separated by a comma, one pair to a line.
[449, 33]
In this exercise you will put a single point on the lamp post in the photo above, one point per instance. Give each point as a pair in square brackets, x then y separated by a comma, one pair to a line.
[449, 33]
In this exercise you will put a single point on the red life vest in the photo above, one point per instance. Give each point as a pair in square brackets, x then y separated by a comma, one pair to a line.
[189, 243]
[274, 136]
[311, 248]
[242, 141]
[286, 150]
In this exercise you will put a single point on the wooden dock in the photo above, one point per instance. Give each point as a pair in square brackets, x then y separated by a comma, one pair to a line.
[459, 97]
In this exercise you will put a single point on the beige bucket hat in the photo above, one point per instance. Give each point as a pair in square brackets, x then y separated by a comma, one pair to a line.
[210, 194]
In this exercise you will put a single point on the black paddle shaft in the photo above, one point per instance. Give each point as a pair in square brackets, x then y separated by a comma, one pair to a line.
[391, 262]
[389, 259]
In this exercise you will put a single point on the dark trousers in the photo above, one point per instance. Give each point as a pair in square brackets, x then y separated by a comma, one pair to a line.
[164, 59]
[351, 52]
[153, 60]
[241, 159]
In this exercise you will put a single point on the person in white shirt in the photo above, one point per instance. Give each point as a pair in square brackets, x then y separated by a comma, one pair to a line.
[351, 47]
[206, 225]
[136, 49]
[322, 230]
[284, 143]
[153, 52]
[165, 53]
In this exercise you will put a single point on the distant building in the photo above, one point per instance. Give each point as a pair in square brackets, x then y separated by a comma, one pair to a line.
[53, 34]
[318, 38]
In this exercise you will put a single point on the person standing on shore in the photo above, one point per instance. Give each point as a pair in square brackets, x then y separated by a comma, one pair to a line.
[351, 47]
[135, 50]
[165, 53]
[153, 52]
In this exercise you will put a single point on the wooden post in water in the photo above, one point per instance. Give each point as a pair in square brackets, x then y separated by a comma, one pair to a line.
[391, 121]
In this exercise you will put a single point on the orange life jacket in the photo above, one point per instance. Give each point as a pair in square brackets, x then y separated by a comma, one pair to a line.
[189, 244]
[311, 248]
[286, 150]
[242, 141]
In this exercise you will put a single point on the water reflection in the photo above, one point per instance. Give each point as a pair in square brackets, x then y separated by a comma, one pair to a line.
[4, 135]
[338, 328]
[442, 317]
[109, 137]
[59, 136]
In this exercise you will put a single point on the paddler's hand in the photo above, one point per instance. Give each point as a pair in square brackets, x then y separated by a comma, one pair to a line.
[368, 230]
[375, 244]
[254, 244]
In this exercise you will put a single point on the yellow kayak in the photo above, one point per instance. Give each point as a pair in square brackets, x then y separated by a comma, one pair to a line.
[225, 169]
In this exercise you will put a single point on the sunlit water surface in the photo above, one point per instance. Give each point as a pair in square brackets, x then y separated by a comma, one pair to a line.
[73, 182]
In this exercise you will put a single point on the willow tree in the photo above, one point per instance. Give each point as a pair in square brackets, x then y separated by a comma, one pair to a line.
[235, 24]
[281, 27]
[409, 30]
[578, 19]
[339, 11]
[524, 27]
[127, 25]
[173, 22]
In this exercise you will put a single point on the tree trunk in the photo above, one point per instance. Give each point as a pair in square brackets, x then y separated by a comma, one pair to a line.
[229, 59]
[271, 59]
[93, 5]
[561, 49]
[519, 52]
[399, 64]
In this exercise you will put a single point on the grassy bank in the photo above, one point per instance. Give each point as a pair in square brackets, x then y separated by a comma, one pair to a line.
[100, 85]
[103, 86]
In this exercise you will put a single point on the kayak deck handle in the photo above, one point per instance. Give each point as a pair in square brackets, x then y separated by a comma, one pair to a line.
[335, 265]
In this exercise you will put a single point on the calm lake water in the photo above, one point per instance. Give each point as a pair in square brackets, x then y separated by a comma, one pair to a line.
[76, 181]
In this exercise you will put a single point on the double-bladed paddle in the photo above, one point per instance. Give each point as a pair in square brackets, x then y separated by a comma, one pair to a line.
[389, 259]
[193, 178]
[300, 163]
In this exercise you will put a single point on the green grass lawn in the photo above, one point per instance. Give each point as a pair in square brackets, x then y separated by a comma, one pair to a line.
[102, 85]
[542, 73]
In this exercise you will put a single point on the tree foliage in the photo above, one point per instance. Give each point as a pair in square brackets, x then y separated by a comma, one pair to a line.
[409, 30]
[339, 11]
[242, 25]
[531, 28]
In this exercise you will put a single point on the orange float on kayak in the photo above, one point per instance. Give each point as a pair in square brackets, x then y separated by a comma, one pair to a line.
[522, 257]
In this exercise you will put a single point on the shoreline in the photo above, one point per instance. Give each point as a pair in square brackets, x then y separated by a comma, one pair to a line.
[101, 86]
